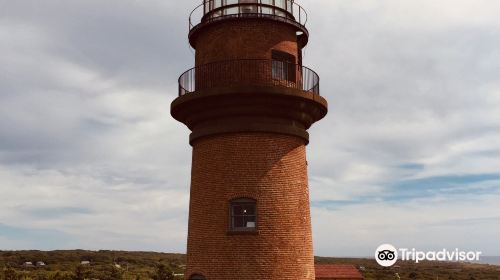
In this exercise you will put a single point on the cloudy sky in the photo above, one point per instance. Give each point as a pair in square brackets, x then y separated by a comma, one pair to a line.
[409, 153]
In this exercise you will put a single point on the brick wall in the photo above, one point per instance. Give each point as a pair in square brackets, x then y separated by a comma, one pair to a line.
[270, 168]
[248, 39]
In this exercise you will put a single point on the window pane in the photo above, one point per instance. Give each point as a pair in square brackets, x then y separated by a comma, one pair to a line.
[232, 11]
[283, 71]
[243, 209]
[237, 210]
[197, 277]
[217, 4]
[278, 70]
[280, 4]
[238, 221]
[267, 11]
[280, 13]
[249, 209]
[243, 215]
[216, 14]
[250, 221]
[248, 8]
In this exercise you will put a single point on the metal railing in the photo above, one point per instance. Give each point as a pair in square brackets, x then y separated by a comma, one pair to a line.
[249, 72]
[213, 10]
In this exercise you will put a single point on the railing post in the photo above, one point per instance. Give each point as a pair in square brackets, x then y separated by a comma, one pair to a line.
[300, 15]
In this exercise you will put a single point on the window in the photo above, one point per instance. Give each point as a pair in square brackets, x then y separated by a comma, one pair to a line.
[243, 215]
[211, 5]
[267, 10]
[197, 277]
[248, 8]
[283, 66]
[282, 4]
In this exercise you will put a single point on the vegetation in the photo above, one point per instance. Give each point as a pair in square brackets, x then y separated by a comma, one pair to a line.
[121, 265]
[90, 265]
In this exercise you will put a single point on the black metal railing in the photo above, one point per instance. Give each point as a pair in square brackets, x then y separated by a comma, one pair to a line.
[212, 10]
[249, 72]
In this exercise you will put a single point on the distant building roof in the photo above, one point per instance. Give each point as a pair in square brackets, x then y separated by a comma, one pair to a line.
[337, 271]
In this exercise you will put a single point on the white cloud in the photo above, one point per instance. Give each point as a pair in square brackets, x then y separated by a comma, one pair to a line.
[87, 205]
[425, 224]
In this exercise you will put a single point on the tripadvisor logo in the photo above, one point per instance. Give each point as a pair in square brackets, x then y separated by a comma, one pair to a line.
[386, 255]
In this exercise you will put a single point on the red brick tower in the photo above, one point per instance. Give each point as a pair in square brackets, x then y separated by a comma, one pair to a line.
[249, 102]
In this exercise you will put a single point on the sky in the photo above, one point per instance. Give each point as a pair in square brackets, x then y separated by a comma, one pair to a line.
[409, 153]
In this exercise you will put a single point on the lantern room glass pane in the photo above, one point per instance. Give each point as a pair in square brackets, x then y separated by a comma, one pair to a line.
[217, 4]
[248, 8]
[280, 13]
[267, 10]
[231, 11]
[280, 4]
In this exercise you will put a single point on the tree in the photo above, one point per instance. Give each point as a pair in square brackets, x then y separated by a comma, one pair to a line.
[163, 273]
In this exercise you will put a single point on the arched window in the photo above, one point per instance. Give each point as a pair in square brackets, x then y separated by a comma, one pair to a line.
[197, 277]
[243, 214]
[283, 66]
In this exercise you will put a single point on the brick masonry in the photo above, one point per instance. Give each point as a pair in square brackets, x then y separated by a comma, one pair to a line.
[270, 168]
[246, 39]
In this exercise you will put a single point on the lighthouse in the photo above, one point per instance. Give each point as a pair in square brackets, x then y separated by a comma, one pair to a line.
[248, 103]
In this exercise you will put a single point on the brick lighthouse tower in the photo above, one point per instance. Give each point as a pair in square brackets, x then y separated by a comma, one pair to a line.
[249, 102]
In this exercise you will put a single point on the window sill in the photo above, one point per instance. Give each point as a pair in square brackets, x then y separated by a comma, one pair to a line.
[243, 232]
